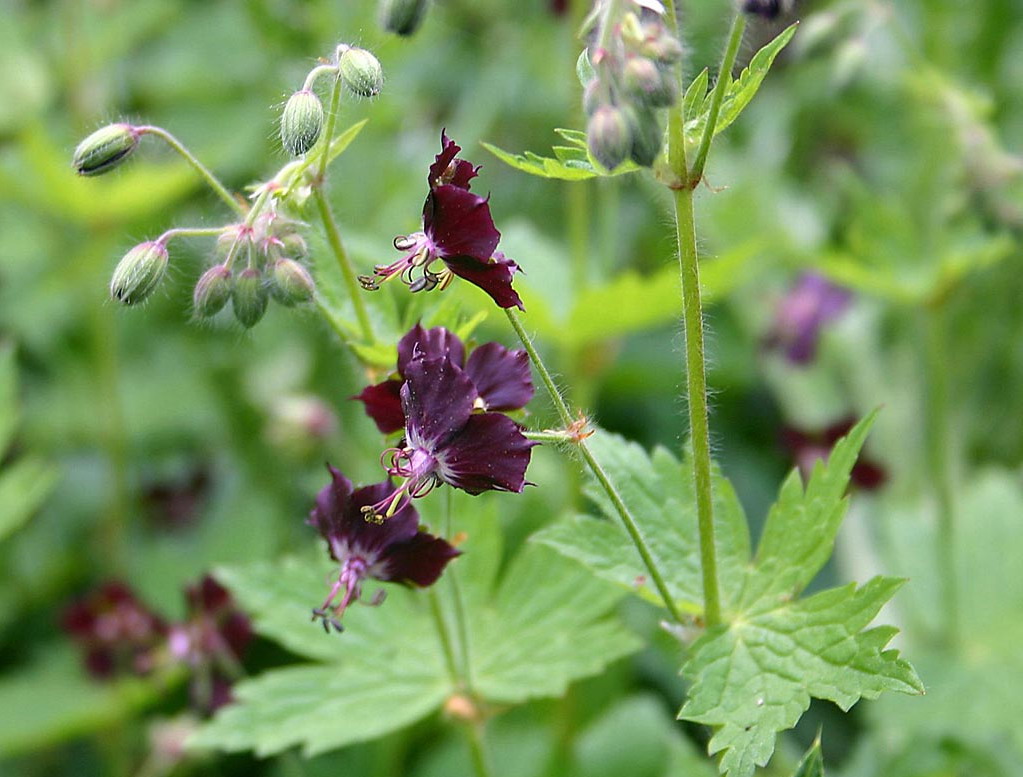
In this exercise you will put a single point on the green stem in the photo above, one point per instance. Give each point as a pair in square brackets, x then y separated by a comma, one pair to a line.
[344, 263]
[631, 527]
[200, 168]
[328, 134]
[547, 436]
[444, 636]
[458, 607]
[939, 464]
[478, 750]
[696, 386]
[724, 79]
[315, 73]
[170, 234]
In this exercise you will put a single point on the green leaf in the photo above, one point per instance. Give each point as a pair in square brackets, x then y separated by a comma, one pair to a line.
[540, 626]
[660, 495]
[812, 763]
[755, 675]
[572, 163]
[55, 700]
[8, 396]
[739, 94]
[23, 487]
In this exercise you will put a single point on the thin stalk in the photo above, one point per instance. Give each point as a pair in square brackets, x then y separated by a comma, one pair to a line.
[631, 527]
[208, 176]
[344, 263]
[458, 607]
[328, 135]
[696, 389]
[939, 464]
[724, 78]
[444, 636]
[171, 234]
[478, 750]
[547, 436]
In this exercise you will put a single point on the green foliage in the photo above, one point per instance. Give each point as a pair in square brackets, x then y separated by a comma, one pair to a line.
[26, 482]
[571, 163]
[531, 633]
[812, 764]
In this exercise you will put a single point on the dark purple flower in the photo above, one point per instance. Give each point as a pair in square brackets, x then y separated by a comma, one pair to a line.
[810, 303]
[175, 504]
[116, 632]
[501, 377]
[458, 233]
[211, 642]
[446, 442]
[807, 447]
[394, 550]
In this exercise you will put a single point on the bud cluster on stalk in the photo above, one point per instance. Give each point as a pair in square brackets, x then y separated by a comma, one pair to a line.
[628, 75]
[259, 263]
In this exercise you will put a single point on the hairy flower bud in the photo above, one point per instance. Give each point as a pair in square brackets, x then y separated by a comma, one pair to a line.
[360, 71]
[647, 136]
[402, 17]
[105, 148]
[301, 122]
[139, 272]
[291, 283]
[608, 136]
[660, 44]
[645, 82]
[249, 297]
[212, 291]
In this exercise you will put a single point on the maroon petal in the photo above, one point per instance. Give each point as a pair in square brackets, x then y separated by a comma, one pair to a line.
[502, 377]
[419, 561]
[437, 399]
[429, 344]
[439, 174]
[383, 405]
[494, 277]
[459, 223]
[489, 454]
[333, 504]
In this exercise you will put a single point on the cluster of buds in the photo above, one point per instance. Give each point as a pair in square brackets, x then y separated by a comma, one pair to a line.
[271, 250]
[303, 116]
[628, 74]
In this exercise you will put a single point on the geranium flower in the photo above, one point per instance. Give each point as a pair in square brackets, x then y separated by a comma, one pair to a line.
[392, 551]
[211, 642]
[458, 237]
[501, 377]
[117, 633]
[446, 442]
[811, 303]
[807, 447]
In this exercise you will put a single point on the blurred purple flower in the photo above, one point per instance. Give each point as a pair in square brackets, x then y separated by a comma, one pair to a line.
[392, 551]
[176, 504]
[501, 377]
[116, 632]
[446, 442]
[807, 447]
[211, 641]
[458, 231]
[811, 303]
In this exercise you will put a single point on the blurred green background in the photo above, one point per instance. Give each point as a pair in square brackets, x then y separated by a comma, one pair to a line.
[882, 151]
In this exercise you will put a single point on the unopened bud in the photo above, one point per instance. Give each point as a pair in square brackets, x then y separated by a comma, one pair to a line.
[360, 71]
[608, 136]
[661, 45]
[647, 136]
[212, 291]
[402, 17]
[249, 298]
[291, 283]
[139, 272]
[645, 82]
[105, 148]
[301, 122]
[593, 97]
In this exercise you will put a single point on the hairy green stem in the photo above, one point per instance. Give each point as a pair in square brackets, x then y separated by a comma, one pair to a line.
[939, 465]
[631, 527]
[344, 263]
[170, 234]
[696, 390]
[208, 176]
[315, 73]
[720, 87]
[328, 134]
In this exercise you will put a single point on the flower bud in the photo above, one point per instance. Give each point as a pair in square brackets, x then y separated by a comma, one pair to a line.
[402, 17]
[301, 122]
[645, 82]
[105, 148]
[592, 97]
[139, 272]
[661, 45]
[212, 291]
[647, 136]
[248, 297]
[360, 71]
[291, 283]
[608, 136]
